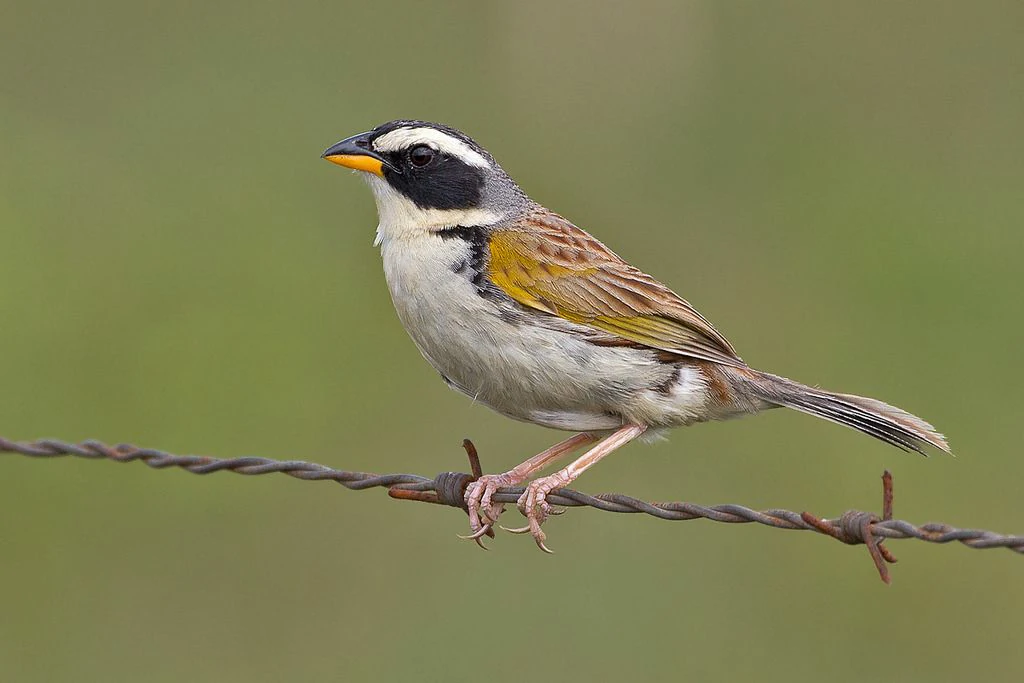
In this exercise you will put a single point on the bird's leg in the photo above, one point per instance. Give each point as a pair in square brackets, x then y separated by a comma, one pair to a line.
[483, 513]
[533, 504]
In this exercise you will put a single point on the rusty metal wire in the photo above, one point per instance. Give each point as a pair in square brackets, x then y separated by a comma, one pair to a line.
[853, 527]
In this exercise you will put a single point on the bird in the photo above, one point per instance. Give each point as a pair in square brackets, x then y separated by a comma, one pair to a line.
[521, 310]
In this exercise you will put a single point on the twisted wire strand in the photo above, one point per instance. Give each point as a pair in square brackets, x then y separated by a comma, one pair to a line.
[853, 527]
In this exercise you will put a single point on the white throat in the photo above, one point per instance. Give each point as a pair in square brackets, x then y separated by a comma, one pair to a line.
[400, 217]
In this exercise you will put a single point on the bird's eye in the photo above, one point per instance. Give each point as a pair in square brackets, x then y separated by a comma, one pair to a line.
[421, 155]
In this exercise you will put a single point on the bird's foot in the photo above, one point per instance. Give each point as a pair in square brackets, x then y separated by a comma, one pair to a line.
[482, 512]
[534, 506]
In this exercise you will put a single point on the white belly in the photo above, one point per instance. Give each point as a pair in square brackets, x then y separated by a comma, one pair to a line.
[526, 370]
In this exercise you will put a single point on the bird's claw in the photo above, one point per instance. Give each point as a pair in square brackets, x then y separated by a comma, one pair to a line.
[476, 535]
[534, 506]
[482, 512]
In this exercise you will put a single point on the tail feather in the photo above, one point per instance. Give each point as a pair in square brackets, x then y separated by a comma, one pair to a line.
[884, 422]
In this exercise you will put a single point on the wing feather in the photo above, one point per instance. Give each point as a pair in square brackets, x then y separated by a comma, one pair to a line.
[546, 263]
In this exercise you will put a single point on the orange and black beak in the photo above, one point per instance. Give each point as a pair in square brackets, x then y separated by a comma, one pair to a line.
[356, 152]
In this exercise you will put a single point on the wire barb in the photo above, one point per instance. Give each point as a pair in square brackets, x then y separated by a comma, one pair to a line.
[854, 527]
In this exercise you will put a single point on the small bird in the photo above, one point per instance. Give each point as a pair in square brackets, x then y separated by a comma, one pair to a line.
[524, 312]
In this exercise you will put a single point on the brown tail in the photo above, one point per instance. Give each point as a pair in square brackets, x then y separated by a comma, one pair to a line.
[880, 420]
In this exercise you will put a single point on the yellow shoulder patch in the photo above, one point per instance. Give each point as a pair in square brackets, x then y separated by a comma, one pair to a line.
[521, 274]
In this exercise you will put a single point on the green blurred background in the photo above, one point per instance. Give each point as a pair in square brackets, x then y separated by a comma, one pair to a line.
[837, 186]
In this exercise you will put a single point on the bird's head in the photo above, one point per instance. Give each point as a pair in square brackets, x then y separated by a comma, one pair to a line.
[428, 177]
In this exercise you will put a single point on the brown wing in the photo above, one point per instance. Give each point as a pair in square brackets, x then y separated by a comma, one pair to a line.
[547, 263]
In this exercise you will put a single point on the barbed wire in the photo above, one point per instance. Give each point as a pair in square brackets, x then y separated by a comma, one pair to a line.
[853, 527]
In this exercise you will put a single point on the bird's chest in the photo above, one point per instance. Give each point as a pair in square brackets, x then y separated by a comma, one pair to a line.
[431, 279]
[478, 340]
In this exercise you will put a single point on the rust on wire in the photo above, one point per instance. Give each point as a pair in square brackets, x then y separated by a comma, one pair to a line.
[854, 527]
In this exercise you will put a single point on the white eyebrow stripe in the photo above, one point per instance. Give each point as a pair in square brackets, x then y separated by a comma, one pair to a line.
[404, 138]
